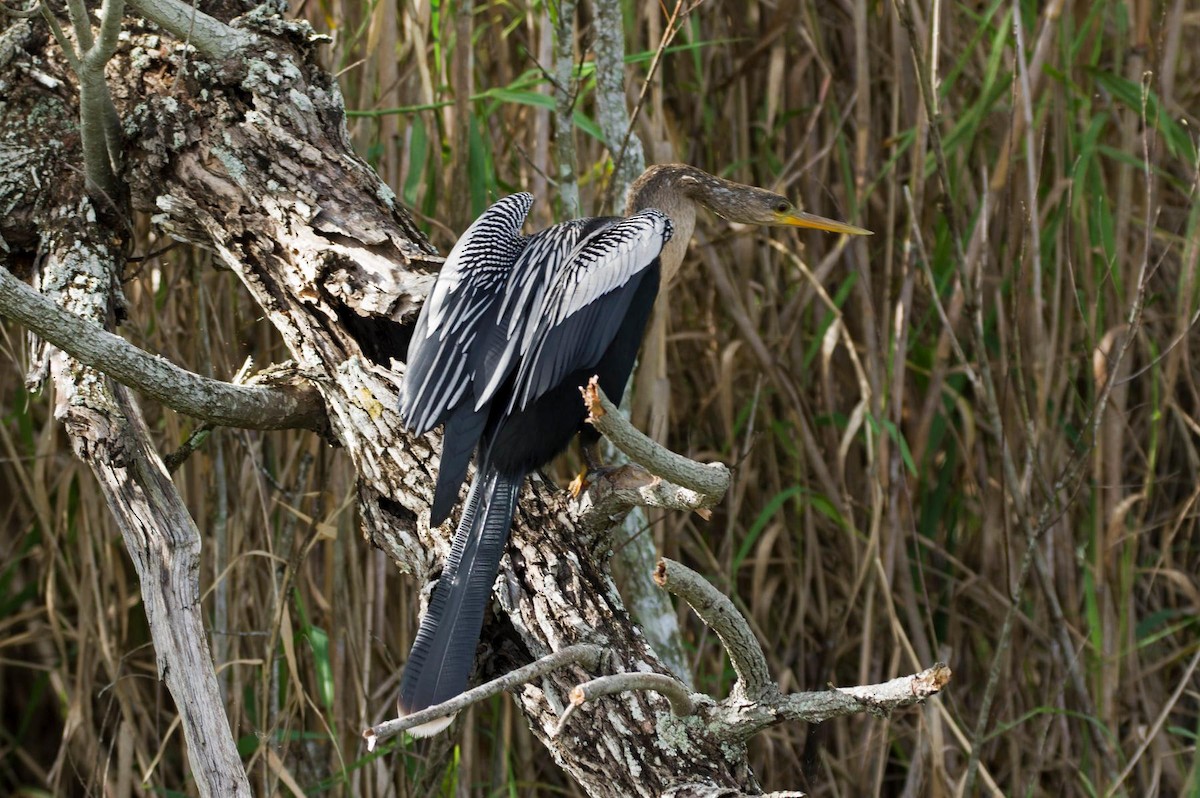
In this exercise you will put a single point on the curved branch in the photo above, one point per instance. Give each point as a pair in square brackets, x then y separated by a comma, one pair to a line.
[675, 691]
[710, 479]
[612, 496]
[212, 37]
[718, 612]
[221, 403]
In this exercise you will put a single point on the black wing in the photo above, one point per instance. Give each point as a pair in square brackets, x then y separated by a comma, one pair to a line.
[438, 372]
[584, 307]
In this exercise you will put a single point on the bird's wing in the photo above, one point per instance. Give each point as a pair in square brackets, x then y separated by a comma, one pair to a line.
[587, 301]
[528, 281]
[438, 370]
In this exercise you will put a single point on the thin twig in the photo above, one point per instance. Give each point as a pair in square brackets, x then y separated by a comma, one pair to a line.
[1151, 734]
[588, 656]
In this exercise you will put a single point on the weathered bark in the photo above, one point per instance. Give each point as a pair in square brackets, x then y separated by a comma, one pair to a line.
[78, 265]
[108, 433]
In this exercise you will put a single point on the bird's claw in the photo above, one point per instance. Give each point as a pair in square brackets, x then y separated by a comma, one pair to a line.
[589, 474]
[579, 484]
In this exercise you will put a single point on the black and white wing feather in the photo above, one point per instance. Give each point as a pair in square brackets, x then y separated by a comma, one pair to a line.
[528, 281]
[584, 306]
[438, 371]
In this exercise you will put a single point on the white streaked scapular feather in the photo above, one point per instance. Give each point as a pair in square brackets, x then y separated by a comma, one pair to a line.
[534, 270]
[600, 264]
[598, 267]
[527, 284]
[469, 282]
[479, 254]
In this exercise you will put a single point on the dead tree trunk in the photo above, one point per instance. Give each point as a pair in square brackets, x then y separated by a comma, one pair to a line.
[239, 145]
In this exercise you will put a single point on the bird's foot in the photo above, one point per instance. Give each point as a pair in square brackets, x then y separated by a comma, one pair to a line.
[587, 475]
[579, 484]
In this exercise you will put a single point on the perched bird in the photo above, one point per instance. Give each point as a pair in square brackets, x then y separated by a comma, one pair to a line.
[513, 327]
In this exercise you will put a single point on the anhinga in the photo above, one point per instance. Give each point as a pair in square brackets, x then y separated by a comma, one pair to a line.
[513, 327]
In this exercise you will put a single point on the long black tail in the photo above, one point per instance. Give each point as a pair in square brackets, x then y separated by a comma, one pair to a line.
[444, 651]
[463, 430]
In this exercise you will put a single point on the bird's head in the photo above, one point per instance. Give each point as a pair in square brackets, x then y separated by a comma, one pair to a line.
[751, 205]
[676, 190]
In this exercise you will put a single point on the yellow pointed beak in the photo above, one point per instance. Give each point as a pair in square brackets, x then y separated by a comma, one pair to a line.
[814, 222]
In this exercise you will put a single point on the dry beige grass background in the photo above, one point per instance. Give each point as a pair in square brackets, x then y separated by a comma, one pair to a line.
[973, 437]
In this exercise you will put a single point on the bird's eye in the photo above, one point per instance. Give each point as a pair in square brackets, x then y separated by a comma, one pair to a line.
[782, 207]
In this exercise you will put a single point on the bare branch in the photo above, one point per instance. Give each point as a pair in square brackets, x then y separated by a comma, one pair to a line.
[711, 480]
[669, 687]
[228, 405]
[209, 35]
[742, 719]
[21, 13]
[716, 610]
[60, 36]
[586, 655]
[98, 125]
[78, 13]
[111, 14]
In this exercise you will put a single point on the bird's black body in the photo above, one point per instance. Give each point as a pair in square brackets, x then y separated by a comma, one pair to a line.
[513, 327]
[504, 377]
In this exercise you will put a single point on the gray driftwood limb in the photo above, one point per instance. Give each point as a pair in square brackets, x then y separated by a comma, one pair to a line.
[222, 403]
[107, 432]
[718, 612]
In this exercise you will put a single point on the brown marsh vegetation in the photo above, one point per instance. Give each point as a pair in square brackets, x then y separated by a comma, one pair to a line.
[973, 437]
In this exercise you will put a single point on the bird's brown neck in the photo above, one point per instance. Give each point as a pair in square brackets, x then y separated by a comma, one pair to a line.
[669, 188]
[664, 186]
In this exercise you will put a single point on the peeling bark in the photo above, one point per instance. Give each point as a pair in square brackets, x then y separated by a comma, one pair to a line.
[107, 432]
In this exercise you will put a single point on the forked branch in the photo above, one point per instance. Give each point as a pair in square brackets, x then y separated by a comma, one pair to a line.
[661, 477]
[756, 702]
